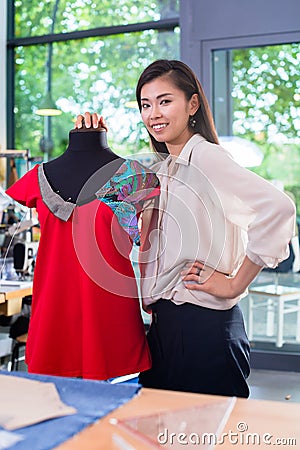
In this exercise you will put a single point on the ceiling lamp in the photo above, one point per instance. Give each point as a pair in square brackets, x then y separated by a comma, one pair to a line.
[48, 107]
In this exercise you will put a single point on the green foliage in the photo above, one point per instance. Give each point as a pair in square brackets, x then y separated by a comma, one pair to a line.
[92, 74]
[35, 17]
[266, 85]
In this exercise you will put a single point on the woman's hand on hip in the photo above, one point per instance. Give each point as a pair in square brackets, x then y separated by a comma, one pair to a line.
[198, 277]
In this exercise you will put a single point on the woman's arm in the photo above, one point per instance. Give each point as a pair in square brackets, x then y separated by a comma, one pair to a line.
[253, 204]
[257, 207]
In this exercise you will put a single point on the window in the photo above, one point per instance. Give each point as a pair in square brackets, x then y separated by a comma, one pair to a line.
[256, 97]
[90, 57]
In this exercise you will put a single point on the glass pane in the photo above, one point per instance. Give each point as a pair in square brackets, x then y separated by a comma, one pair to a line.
[256, 102]
[90, 74]
[35, 17]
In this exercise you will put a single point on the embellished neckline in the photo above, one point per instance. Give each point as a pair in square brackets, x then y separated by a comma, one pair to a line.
[60, 207]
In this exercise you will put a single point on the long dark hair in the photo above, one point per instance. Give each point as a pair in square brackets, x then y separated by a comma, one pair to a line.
[184, 79]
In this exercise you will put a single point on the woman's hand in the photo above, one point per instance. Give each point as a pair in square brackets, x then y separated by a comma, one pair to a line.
[146, 308]
[89, 120]
[198, 277]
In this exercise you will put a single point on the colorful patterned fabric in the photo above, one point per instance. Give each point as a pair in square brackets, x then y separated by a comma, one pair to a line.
[124, 193]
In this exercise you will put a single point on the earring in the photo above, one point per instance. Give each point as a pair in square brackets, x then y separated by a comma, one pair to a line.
[192, 122]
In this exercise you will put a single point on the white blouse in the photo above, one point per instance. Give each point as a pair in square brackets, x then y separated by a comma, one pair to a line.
[214, 211]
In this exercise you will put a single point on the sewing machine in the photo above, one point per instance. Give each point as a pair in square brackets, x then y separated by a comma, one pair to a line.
[24, 254]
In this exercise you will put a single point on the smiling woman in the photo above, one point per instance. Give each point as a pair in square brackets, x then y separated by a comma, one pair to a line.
[204, 240]
[193, 285]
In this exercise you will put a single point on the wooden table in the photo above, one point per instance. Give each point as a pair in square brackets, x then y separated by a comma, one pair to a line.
[251, 424]
[11, 295]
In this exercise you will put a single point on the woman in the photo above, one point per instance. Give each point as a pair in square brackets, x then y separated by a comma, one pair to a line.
[213, 229]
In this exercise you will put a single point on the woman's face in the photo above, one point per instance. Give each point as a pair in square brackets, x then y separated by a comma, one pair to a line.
[166, 112]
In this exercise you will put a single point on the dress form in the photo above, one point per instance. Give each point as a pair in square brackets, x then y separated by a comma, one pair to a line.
[87, 152]
[85, 250]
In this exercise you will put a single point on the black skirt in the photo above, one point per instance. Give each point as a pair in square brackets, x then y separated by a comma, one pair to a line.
[196, 349]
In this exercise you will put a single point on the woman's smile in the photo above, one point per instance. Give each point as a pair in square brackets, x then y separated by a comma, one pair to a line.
[159, 127]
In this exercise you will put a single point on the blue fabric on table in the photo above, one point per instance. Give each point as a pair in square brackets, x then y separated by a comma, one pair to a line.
[92, 399]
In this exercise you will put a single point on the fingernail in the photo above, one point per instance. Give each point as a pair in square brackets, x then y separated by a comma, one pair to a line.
[95, 125]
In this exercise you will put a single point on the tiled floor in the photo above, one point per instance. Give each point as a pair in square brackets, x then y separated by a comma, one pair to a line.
[276, 386]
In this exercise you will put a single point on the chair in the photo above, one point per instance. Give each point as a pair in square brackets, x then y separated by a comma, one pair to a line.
[19, 332]
[19, 342]
[278, 301]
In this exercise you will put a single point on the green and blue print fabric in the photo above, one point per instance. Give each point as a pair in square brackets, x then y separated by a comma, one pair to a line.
[125, 193]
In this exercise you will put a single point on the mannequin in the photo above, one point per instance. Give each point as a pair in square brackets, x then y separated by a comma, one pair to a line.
[86, 319]
[87, 152]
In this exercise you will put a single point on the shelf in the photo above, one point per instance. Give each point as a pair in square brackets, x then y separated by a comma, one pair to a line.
[14, 153]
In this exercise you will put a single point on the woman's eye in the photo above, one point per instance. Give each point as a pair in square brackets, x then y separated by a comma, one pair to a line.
[163, 102]
[145, 105]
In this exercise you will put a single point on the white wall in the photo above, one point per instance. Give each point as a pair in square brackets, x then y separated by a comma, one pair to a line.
[3, 16]
[218, 24]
